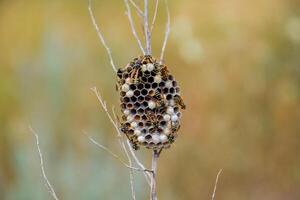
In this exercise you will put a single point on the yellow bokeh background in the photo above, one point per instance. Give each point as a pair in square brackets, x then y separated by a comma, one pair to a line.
[238, 65]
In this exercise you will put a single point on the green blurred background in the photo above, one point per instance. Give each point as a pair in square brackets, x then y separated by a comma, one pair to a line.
[238, 64]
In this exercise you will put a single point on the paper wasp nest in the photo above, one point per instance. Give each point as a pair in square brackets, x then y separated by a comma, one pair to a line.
[150, 103]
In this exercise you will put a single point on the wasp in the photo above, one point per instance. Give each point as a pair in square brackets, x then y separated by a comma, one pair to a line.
[152, 119]
[147, 59]
[175, 127]
[179, 101]
[171, 139]
[164, 72]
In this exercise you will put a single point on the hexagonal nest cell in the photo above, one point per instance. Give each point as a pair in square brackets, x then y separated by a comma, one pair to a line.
[150, 103]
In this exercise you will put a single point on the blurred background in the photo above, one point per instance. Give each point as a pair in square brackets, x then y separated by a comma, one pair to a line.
[238, 64]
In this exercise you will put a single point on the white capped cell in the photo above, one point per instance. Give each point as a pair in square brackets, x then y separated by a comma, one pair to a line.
[174, 118]
[163, 138]
[129, 93]
[172, 102]
[167, 117]
[137, 132]
[170, 110]
[155, 138]
[125, 87]
[134, 124]
[167, 131]
[141, 138]
[126, 112]
[128, 80]
[130, 118]
[157, 79]
[169, 84]
[151, 104]
[144, 68]
[150, 67]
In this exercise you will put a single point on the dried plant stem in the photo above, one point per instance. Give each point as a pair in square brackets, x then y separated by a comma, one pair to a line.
[216, 184]
[113, 154]
[100, 36]
[129, 15]
[154, 15]
[167, 33]
[153, 191]
[121, 142]
[146, 28]
[139, 11]
[47, 182]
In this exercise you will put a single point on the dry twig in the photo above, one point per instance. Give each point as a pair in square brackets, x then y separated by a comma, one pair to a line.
[167, 33]
[47, 182]
[216, 183]
[100, 36]
[129, 15]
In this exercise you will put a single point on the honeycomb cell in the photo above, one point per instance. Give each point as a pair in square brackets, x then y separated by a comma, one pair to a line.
[150, 79]
[154, 85]
[172, 90]
[129, 105]
[133, 99]
[174, 83]
[148, 137]
[141, 124]
[136, 93]
[169, 97]
[148, 98]
[144, 92]
[145, 104]
[133, 111]
[140, 111]
[151, 92]
[162, 84]
[137, 117]
[141, 99]
[147, 85]
[126, 99]
[122, 94]
[140, 86]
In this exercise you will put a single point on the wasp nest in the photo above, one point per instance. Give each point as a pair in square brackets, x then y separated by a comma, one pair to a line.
[150, 103]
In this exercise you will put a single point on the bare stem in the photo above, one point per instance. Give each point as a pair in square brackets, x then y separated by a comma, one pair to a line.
[153, 191]
[139, 11]
[167, 33]
[216, 183]
[121, 142]
[129, 15]
[146, 28]
[47, 182]
[100, 36]
[154, 16]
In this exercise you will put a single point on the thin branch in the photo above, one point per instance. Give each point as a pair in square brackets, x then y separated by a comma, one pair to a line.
[47, 182]
[113, 154]
[101, 37]
[129, 15]
[121, 142]
[138, 9]
[153, 191]
[154, 16]
[167, 33]
[138, 162]
[216, 183]
[146, 28]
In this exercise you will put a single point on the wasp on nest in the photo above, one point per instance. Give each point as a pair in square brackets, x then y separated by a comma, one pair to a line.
[150, 103]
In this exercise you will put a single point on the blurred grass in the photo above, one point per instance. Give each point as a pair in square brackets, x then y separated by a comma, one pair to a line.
[239, 67]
